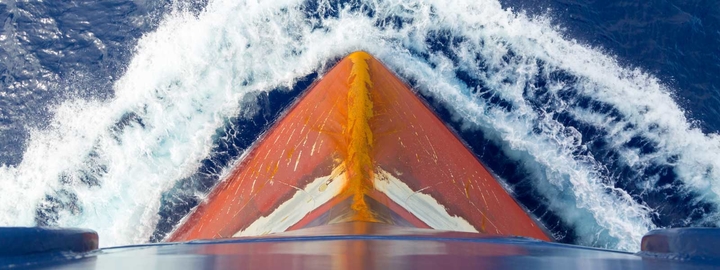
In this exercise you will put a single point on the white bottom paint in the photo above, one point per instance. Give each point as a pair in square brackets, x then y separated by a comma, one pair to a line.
[296, 208]
[323, 189]
[423, 206]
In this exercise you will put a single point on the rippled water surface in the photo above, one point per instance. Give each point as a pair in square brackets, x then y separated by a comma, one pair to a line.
[602, 116]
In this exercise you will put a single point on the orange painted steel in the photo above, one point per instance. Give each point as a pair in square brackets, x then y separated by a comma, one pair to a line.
[357, 119]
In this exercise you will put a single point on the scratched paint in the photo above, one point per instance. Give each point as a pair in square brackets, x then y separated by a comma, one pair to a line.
[356, 125]
[317, 193]
[423, 206]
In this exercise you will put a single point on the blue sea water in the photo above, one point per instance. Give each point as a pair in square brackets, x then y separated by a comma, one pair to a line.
[601, 116]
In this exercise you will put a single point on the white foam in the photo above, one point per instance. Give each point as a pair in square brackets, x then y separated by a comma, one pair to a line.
[190, 75]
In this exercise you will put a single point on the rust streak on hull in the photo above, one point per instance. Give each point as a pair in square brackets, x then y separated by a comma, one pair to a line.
[359, 141]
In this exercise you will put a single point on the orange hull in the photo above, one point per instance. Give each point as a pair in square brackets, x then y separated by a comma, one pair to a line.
[358, 146]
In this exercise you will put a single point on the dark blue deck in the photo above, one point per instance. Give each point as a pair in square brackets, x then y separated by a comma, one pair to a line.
[370, 246]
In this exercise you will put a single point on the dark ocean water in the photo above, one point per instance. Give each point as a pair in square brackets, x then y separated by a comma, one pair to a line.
[677, 41]
[59, 52]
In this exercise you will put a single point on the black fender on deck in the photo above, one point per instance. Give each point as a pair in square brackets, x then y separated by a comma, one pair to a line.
[21, 241]
[683, 244]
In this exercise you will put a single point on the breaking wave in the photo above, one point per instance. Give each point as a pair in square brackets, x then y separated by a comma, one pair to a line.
[604, 149]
